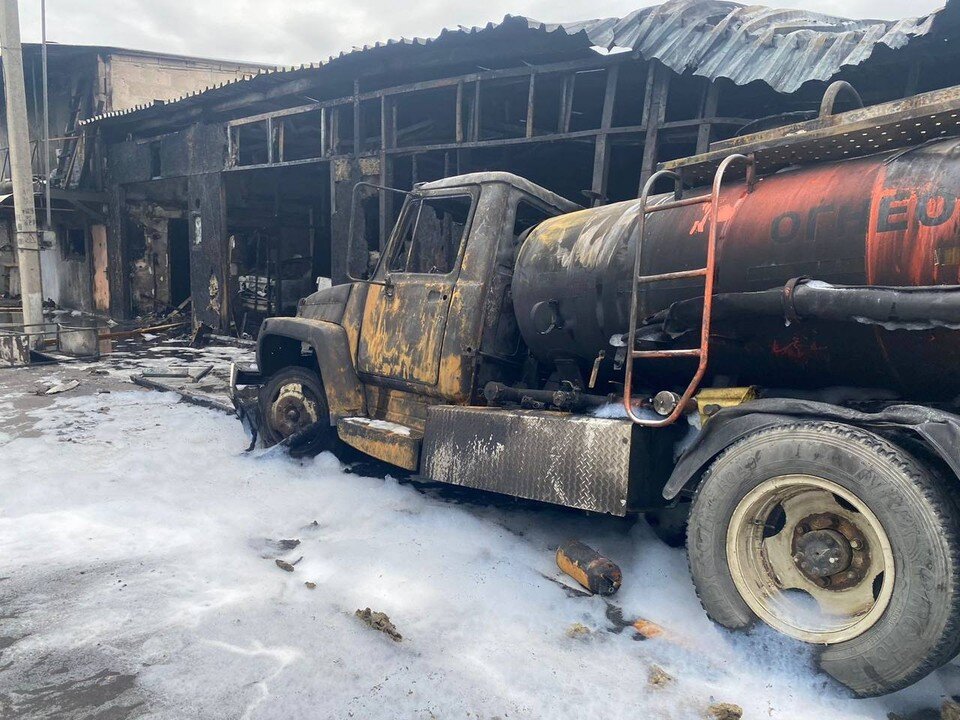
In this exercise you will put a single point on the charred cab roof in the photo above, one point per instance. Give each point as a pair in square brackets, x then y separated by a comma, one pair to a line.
[486, 178]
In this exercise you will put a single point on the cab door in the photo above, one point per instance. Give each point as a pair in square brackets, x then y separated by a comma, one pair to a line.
[405, 315]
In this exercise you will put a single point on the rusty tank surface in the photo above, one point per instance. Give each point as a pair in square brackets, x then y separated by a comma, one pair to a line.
[890, 219]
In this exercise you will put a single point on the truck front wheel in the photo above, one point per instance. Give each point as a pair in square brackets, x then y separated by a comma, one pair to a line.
[291, 401]
[835, 537]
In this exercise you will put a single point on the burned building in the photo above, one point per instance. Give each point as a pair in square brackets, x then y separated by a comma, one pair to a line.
[83, 82]
[240, 196]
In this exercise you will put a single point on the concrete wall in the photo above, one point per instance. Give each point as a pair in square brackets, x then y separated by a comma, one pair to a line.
[138, 79]
[67, 277]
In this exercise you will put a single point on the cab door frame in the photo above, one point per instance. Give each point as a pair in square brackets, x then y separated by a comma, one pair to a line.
[405, 313]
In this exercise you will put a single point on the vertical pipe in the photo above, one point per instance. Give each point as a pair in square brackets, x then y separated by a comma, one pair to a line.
[46, 114]
[28, 246]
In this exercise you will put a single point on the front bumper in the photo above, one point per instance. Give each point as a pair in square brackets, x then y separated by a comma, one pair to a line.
[244, 374]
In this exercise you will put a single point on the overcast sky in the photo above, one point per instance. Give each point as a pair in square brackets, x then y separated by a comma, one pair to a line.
[297, 31]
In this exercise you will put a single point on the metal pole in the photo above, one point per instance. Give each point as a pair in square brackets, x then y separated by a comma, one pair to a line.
[28, 245]
[46, 115]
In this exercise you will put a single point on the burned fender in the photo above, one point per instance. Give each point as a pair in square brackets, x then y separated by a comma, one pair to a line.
[937, 429]
[279, 345]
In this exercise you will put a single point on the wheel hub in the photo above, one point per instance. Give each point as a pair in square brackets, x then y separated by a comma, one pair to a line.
[822, 553]
[830, 550]
[293, 410]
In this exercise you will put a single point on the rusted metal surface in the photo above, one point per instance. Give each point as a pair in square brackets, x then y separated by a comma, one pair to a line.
[889, 219]
[576, 461]
[596, 573]
[708, 272]
[711, 400]
[388, 441]
[280, 343]
[403, 328]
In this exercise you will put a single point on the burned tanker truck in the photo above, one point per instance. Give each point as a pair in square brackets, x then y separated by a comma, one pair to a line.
[764, 348]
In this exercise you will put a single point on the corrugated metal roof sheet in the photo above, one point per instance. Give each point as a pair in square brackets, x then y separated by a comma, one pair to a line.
[783, 48]
[710, 38]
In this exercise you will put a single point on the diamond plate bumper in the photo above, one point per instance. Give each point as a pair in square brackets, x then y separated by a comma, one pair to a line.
[572, 460]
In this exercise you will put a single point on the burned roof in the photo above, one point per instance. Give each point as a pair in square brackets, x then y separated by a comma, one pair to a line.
[497, 176]
[783, 48]
[709, 38]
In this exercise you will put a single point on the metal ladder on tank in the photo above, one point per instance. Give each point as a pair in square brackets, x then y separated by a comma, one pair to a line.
[708, 273]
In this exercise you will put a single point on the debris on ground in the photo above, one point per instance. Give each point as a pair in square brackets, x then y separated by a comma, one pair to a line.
[647, 629]
[61, 387]
[724, 711]
[310, 585]
[203, 399]
[578, 630]
[284, 565]
[269, 548]
[379, 621]
[141, 331]
[950, 709]
[596, 573]
[658, 677]
[643, 629]
[569, 589]
[193, 374]
[201, 334]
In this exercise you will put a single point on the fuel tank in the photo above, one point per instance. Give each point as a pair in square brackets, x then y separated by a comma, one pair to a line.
[889, 219]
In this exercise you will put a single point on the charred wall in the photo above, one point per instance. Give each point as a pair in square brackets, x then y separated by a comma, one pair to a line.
[176, 176]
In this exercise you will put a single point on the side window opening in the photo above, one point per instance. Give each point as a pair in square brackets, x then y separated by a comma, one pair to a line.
[73, 242]
[431, 234]
[527, 216]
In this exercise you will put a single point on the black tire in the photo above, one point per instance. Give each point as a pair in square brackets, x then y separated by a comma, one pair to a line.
[314, 399]
[920, 628]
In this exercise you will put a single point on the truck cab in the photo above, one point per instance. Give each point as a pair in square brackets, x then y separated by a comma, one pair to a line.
[431, 325]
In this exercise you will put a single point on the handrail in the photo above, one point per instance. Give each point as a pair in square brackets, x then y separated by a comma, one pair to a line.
[831, 94]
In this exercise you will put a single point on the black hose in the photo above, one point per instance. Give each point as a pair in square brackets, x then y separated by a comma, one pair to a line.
[894, 308]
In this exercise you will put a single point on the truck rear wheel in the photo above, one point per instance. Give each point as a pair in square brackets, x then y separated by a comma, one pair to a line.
[835, 537]
[292, 400]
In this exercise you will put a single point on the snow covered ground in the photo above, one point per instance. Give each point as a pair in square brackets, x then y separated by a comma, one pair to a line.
[138, 579]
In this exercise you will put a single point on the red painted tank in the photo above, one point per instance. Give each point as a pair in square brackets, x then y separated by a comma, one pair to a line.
[889, 219]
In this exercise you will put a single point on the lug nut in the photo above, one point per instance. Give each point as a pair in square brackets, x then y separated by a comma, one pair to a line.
[855, 544]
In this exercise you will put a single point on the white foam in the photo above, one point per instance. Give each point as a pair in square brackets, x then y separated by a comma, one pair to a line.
[156, 505]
